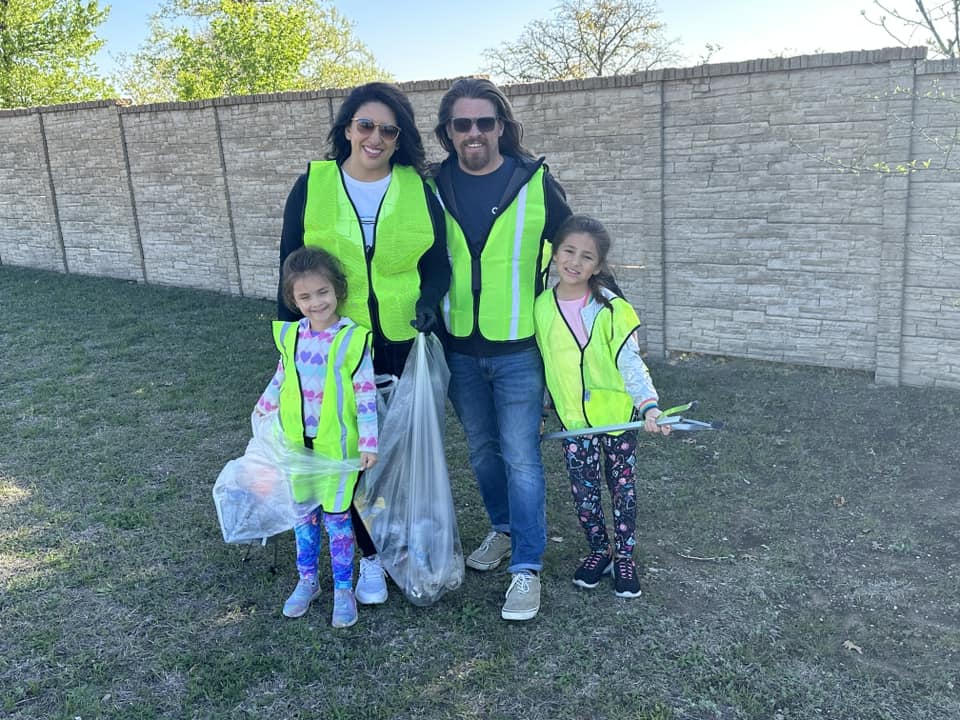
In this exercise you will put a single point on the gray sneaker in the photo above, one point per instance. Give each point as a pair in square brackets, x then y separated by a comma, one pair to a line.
[344, 608]
[306, 591]
[523, 597]
[494, 548]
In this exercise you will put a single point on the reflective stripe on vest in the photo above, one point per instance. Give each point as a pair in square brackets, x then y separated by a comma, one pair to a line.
[505, 274]
[585, 383]
[402, 234]
[337, 433]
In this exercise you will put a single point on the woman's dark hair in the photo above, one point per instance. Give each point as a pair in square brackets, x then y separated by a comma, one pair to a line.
[306, 260]
[481, 89]
[601, 238]
[409, 144]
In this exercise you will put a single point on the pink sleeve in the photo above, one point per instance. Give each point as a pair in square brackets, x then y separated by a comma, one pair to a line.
[365, 389]
[270, 399]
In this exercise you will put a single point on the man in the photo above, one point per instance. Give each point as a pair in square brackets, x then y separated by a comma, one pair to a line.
[501, 205]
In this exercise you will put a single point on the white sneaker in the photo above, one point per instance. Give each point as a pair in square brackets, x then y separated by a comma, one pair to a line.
[372, 585]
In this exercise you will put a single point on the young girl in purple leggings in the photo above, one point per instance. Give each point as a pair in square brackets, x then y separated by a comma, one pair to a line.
[325, 395]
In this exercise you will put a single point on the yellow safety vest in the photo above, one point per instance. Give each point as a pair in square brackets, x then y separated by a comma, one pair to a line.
[403, 233]
[585, 383]
[337, 434]
[495, 291]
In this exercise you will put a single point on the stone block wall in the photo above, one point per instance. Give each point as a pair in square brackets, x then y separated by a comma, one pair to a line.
[265, 146]
[931, 293]
[29, 231]
[772, 252]
[91, 185]
[746, 214]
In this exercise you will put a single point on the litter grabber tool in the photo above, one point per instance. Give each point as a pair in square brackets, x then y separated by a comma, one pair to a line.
[671, 416]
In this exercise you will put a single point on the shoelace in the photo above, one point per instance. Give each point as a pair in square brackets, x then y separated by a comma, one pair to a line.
[370, 567]
[594, 559]
[487, 541]
[522, 581]
[625, 569]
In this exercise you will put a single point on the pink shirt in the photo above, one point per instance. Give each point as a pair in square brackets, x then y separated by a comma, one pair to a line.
[570, 309]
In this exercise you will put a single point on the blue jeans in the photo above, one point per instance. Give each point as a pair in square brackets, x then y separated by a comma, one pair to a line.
[499, 401]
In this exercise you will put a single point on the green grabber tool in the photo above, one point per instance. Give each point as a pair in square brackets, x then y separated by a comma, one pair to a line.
[670, 416]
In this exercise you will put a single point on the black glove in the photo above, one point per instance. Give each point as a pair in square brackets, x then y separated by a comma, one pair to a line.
[426, 319]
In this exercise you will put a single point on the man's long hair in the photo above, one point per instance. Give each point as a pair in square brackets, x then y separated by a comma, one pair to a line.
[481, 89]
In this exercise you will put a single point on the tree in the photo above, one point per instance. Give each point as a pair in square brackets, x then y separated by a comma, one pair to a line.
[46, 52]
[937, 22]
[586, 38]
[212, 48]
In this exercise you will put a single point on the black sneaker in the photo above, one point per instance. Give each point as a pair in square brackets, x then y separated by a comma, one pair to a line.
[625, 580]
[594, 566]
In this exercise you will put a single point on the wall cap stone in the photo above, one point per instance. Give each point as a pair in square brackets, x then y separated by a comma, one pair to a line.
[937, 67]
[760, 65]
[65, 107]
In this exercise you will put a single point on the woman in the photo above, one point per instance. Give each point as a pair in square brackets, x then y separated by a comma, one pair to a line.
[368, 205]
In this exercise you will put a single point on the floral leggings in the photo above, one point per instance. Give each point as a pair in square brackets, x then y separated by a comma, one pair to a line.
[583, 456]
[340, 533]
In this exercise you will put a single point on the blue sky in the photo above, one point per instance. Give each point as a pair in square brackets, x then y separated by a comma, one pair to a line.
[430, 39]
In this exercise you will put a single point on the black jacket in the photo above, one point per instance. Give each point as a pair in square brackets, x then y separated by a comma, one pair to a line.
[556, 210]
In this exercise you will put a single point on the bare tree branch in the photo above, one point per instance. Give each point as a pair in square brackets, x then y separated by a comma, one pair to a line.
[938, 21]
[586, 38]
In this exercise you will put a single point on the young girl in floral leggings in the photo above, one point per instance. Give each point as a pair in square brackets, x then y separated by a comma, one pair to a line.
[587, 336]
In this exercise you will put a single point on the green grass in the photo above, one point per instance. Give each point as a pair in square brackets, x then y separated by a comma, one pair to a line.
[824, 513]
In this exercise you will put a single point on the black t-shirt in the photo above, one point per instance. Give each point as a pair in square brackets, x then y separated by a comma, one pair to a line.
[478, 197]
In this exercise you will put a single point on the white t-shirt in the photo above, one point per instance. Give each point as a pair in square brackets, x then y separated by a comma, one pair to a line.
[366, 197]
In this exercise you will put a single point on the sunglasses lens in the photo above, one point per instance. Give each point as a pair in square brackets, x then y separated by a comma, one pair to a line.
[484, 124]
[387, 131]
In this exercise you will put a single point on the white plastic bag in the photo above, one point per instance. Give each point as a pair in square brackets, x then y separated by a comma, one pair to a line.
[252, 493]
[405, 499]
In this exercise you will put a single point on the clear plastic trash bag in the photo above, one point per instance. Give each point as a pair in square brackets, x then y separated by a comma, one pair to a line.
[405, 499]
[252, 493]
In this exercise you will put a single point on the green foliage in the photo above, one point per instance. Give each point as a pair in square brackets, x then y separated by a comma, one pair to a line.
[46, 52]
[586, 38]
[214, 48]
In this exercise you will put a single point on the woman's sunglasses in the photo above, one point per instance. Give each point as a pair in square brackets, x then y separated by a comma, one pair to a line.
[463, 124]
[365, 127]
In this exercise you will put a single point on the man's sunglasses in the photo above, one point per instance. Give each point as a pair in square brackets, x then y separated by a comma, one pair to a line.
[463, 124]
[365, 127]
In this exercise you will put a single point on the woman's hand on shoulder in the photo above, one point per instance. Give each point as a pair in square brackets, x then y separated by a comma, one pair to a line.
[367, 460]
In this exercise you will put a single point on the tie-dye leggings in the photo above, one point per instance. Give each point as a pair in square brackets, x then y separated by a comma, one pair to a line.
[583, 456]
[340, 533]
